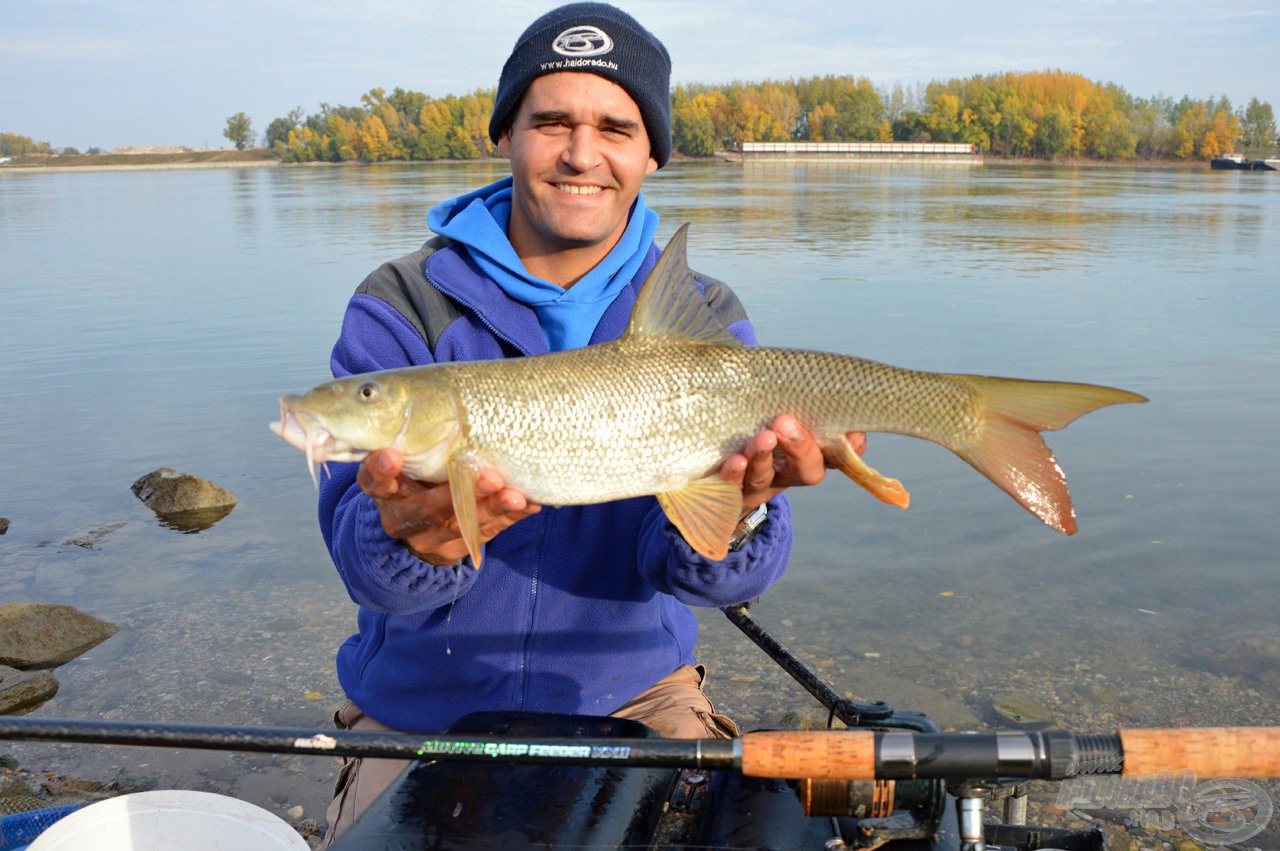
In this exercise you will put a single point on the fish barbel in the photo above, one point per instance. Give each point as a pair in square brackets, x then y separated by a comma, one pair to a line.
[659, 409]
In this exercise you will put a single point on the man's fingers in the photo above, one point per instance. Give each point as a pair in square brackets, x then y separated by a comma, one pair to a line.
[379, 473]
[804, 463]
[760, 470]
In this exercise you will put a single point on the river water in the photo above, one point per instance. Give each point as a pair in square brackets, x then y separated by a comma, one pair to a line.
[151, 319]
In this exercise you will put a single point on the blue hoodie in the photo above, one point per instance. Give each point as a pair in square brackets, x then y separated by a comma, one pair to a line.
[479, 220]
[577, 609]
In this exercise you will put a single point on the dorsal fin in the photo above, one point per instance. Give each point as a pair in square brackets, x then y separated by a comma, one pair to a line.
[671, 305]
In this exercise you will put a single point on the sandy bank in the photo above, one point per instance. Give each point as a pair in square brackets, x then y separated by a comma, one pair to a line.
[44, 169]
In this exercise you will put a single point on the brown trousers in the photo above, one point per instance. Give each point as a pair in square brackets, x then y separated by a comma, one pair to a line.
[675, 707]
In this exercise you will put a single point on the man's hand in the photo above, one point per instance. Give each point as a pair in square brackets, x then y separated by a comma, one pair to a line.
[782, 456]
[420, 514]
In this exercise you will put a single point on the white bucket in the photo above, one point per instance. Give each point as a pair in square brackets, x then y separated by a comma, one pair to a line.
[170, 820]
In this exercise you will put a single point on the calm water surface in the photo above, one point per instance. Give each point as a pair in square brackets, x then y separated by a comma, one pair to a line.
[152, 319]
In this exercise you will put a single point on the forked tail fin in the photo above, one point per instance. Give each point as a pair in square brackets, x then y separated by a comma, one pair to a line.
[1008, 449]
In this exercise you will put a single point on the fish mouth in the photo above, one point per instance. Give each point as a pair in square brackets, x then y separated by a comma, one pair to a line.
[306, 432]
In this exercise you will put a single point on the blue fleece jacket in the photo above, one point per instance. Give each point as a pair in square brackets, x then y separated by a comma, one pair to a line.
[577, 609]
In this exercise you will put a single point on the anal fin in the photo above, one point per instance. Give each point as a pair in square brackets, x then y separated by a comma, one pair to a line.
[706, 512]
[462, 486]
[840, 455]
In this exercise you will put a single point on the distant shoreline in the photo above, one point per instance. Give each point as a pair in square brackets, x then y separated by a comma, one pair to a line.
[260, 158]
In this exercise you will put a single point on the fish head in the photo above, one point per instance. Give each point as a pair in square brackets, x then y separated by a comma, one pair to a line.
[346, 419]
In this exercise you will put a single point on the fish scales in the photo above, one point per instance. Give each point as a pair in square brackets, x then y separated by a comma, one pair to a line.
[627, 419]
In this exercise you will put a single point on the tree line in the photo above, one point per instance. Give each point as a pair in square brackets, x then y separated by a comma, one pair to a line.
[403, 125]
[1046, 114]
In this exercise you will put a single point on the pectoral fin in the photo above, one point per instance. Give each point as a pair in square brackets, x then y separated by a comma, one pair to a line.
[841, 456]
[462, 486]
[706, 512]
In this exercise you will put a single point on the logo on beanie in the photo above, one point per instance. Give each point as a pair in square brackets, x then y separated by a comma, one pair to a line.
[582, 41]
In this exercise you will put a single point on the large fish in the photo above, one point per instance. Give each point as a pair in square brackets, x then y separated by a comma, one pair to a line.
[658, 410]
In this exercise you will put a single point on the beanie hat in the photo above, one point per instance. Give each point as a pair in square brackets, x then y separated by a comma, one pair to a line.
[598, 39]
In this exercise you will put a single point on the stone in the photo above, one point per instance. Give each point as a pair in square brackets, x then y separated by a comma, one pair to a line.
[12, 786]
[23, 691]
[1021, 709]
[1253, 654]
[186, 502]
[90, 540]
[128, 784]
[45, 635]
[876, 681]
[4, 525]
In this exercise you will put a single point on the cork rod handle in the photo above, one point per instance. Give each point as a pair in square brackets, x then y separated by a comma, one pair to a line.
[1209, 752]
[820, 754]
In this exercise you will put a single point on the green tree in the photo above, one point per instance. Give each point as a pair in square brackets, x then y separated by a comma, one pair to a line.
[1054, 133]
[1258, 127]
[277, 137]
[239, 131]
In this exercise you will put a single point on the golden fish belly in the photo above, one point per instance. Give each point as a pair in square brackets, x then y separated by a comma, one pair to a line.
[628, 419]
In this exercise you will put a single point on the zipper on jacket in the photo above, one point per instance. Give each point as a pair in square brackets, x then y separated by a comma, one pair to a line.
[506, 338]
[522, 671]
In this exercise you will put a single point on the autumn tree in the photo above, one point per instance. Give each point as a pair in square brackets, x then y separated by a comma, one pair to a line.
[239, 131]
[14, 145]
[694, 116]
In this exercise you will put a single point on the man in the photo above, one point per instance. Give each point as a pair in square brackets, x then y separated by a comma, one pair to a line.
[578, 609]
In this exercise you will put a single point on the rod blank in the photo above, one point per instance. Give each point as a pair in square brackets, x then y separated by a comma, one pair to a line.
[817, 754]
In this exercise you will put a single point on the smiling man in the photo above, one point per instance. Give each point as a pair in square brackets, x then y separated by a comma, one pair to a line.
[579, 609]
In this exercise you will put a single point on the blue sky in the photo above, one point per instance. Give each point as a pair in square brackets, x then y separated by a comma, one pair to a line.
[162, 72]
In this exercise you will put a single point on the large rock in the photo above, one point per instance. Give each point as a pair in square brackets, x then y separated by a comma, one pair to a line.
[167, 491]
[4, 525]
[23, 691]
[43, 635]
[183, 501]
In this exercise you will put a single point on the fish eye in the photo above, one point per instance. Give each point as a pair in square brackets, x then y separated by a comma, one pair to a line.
[368, 391]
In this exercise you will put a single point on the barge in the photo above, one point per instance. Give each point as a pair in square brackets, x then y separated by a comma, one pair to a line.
[1235, 162]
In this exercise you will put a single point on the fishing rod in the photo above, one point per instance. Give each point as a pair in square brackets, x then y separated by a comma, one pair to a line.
[1222, 752]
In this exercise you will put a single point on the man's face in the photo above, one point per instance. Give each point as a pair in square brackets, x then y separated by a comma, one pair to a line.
[579, 152]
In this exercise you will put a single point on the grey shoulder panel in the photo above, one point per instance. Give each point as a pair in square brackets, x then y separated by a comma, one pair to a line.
[402, 283]
[722, 300]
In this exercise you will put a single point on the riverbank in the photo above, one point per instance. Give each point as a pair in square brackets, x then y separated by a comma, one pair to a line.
[253, 158]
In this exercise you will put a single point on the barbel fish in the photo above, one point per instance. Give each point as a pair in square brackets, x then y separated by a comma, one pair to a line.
[659, 409]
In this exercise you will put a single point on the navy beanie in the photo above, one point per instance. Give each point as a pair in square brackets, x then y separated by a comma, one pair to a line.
[599, 39]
